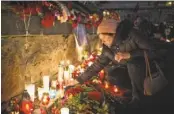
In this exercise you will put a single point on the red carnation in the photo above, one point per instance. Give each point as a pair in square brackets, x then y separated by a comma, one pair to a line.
[48, 20]
[79, 89]
[95, 95]
[38, 9]
[74, 91]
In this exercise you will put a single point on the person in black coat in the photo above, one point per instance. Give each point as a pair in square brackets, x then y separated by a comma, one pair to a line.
[123, 45]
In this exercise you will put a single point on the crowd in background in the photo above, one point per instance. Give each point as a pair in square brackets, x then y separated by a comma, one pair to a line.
[162, 31]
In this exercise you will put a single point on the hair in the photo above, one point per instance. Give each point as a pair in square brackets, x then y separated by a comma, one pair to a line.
[124, 28]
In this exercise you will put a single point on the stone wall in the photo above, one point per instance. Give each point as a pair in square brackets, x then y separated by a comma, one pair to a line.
[27, 59]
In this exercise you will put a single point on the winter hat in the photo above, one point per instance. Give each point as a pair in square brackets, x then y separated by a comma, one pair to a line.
[107, 26]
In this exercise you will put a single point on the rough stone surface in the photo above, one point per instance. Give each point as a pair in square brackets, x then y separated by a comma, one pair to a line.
[27, 59]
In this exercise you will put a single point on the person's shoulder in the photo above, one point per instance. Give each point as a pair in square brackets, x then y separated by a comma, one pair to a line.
[135, 32]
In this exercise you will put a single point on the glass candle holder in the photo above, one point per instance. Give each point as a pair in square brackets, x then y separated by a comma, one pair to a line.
[45, 99]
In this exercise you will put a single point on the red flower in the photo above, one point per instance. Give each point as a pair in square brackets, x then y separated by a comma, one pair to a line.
[38, 9]
[101, 74]
[74, 91]
[48, 20]
[87, 82]
[72, 16]
[27, 11]
[95, 95]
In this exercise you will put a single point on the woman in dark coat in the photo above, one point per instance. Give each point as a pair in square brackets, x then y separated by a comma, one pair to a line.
[123, 45]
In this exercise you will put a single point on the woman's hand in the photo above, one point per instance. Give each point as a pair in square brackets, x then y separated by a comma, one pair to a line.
[122, 55]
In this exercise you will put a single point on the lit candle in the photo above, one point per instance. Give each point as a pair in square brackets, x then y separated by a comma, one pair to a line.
[40, 93]
[104, 13]
[106, 85]
[64, 110]
[31, 90]
[101, 74]
[115, 89]
[45, 99]
[71, 70]
[27, 106]
[46, 83]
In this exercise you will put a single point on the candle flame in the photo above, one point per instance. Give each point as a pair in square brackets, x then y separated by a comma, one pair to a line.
[27, 106]
[106, 85]
[115, 89]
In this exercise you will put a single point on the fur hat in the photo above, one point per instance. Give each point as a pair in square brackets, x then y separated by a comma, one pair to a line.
[107, 26]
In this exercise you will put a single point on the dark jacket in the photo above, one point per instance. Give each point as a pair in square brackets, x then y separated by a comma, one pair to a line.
[131, 41]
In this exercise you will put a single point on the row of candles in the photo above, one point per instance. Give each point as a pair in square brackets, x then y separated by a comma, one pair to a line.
[64, 78]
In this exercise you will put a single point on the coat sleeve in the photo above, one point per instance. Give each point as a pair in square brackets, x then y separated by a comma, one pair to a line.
[142, 44]
[97, 66]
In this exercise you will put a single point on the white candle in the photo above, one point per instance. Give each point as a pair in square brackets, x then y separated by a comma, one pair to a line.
[66, 75]
[46, 83]
[64, 110]
[71, 70]
[31, 90]
[60, 73]
[40, 93]
[71, 81]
